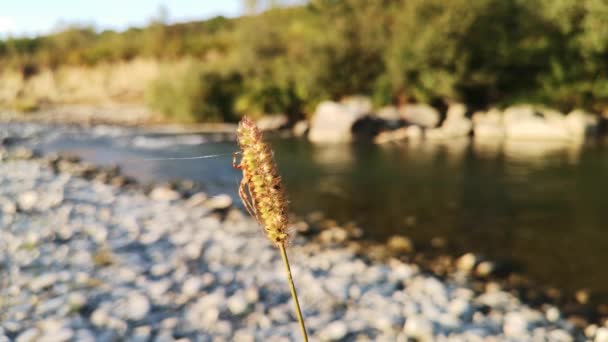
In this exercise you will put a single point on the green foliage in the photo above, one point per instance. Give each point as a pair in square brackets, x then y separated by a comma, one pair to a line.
[287, 59]
[194, 93]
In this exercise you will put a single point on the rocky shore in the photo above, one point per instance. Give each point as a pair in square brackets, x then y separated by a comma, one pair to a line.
[89, 255]
[355, 118]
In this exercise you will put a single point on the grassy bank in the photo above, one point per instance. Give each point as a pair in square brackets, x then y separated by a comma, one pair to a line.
[287, 59]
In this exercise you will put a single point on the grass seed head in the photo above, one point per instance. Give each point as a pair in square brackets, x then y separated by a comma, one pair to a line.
[266, 190]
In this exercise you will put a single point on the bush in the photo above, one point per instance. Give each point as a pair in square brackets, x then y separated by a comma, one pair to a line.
[194, 94]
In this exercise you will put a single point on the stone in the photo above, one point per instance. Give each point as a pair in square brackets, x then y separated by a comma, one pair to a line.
[400, 244]
[334, 331]
[552, 314]
[515, 324]
[333, 122]
[162, 193]
[76, 301]
[272, 122]
[466, 262]
[461, 308]
[421, 115]
[252, 295]
[157, 289]
[601, 335]
[27, 200]
[237, 304]
[300, 128]
[333, 235]
[560, 335]
[389, 113]
[582, 296]
[418, 327]
[43, 281]
[196, 200]
[581, 124]
[488, 125]
[524, 122]
[100, 317]
[411, 133]
[8, 207]
[30, 335]
[485, 130]
[61, 335]
[456, 124]
[219, 202]
[590, 331]
[191, 286]
[138, 306]
[244, 336]
[23, 152]
[485, 268]
[142, 333]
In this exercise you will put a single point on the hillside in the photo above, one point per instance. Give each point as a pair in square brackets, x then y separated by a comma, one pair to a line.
[288, 59]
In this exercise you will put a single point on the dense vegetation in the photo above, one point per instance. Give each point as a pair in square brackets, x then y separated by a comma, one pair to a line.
[287, 59]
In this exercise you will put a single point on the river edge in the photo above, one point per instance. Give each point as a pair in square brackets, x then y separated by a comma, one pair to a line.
[322, 235]
[119, 114]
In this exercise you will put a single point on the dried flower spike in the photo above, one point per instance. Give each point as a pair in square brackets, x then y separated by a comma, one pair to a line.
[265, 199]
[262, 194]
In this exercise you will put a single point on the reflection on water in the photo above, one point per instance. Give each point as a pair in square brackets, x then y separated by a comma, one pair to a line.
[538, 204]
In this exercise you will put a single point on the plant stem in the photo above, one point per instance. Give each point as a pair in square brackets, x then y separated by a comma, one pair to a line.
[294, 295]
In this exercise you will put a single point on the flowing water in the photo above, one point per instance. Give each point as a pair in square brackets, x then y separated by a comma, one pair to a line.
[540, 205]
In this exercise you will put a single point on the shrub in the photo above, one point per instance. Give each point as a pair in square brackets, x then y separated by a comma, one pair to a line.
[194, 94]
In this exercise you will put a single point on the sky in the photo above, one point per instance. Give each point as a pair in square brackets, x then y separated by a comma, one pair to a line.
[31, 17]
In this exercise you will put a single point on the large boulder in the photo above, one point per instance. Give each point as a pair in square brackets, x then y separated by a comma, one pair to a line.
[334, 122]
[420, 114]
[580, 124]
[456, 124]
[389, 113]
[488, 125]
[390, 117]
[410, 133]
[525, 123]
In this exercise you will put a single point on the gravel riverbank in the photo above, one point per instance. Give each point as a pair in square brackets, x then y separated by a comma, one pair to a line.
[87, 261]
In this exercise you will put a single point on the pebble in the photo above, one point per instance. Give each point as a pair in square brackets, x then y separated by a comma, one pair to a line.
[164, 194]
[99, 317]
[29, 335]
[197, 200]
[485, 268]
[418, 327]
[601, 335]
[191, 286]
[552, 314]
[467, 262]
[27, 200]
[138, 307]
[43, 281]
[516, 324]
[219, 202]
[9, 207]
[237, 304]
[334, 331]
[400, 244]
[334, 235]
[61, 335]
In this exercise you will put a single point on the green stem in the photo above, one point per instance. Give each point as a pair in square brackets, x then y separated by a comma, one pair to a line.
[294, 295]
